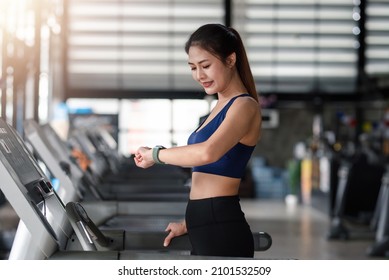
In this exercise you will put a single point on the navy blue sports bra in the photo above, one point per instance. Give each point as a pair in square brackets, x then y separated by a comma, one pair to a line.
[234, 162]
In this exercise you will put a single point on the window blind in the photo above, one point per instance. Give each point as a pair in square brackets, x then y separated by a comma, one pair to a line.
[377, 41]
[134, 45]
[307, 46]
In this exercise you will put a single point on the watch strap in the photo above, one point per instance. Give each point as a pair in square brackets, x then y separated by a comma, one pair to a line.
[155, 153]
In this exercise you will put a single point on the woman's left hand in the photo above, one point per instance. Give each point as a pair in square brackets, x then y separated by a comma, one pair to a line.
[174, 229]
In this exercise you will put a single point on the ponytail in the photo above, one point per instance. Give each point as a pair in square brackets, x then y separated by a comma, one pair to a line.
[243, 66]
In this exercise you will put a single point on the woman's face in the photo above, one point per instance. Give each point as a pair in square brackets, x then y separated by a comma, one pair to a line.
[209, 71]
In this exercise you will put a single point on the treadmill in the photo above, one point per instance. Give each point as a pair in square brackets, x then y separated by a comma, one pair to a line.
[139, 185]
[163, 177]
[51, 230]
[145, 215]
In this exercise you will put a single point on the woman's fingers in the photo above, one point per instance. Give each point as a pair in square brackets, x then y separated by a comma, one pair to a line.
[168, 238]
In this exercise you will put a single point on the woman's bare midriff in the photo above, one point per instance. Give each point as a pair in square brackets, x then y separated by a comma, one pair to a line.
[209, 185]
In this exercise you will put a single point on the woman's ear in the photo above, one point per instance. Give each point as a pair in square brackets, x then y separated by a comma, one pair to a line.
[231, 60]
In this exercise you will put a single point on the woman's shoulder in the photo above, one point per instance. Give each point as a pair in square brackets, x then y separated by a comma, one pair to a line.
[245, 102]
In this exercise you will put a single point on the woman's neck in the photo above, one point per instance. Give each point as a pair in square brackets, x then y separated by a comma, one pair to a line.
[235, 88]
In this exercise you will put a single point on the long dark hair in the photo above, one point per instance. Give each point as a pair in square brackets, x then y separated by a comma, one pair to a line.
[222, 41]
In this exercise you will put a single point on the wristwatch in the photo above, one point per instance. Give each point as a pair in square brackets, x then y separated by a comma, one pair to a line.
[156, 150]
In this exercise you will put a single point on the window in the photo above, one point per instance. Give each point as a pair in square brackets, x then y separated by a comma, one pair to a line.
[134, 45]
[300, 46]
[377, 38]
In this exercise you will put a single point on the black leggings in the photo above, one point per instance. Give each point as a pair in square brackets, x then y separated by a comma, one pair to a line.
[217, 227]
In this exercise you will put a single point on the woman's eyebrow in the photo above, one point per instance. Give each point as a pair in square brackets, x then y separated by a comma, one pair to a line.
[204, 60]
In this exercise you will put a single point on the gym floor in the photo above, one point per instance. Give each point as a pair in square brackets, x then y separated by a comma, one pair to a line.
[298, 232]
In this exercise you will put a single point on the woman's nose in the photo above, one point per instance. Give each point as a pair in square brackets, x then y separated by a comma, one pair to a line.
[199, 74]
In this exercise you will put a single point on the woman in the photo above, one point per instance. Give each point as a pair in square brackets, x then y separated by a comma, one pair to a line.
[219, 149]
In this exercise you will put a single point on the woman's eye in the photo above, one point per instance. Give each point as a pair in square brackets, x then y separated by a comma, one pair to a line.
[206, 67]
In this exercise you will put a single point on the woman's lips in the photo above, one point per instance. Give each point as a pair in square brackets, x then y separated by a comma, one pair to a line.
[207, 84]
